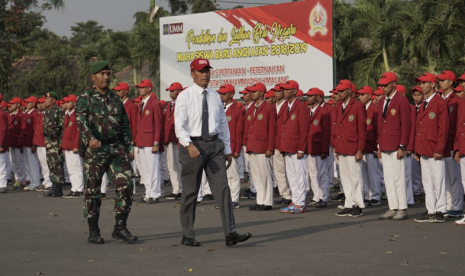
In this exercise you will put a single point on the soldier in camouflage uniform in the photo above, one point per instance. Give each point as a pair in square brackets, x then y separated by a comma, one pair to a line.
[106, 146]
[53, 132]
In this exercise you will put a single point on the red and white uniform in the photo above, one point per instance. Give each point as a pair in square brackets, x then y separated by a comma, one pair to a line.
[417, 185]
[16, 158]
[172, 155]
[39, 142]
[70, 142]
[279, 166]
[235, 117]
[31, 160]
[4, 152]
[459, 144]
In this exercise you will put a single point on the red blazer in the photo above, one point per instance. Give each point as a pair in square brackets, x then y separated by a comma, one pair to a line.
[327, 108]
[319, 132]
[294, 127]
[14, 130]
[149, 125]
[39, 138]
[28, 122]
[432, 127]
[394, 130]
[3, 129]
[131, 111]
[411, 140]
[170, 134]
[372, 129]
[235, 117]
[459, 144]
[260, 129]
[350, 128]
[452, 106]
[70, 139]
[332, 118]
[278, 126]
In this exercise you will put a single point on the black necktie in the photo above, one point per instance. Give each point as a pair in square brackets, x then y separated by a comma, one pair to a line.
[142, 108]
[386, 107]
[424, 106]
[171, 106]
[311, 113]
[205, 132]
[256, 107]
[343, 109]
[418, 108]
[288, 109]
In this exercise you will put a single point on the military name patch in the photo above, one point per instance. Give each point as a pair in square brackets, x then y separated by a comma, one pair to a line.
[315, 122]
[368, 121]
[260, 116]
[293, 117]
[229, 118]
[351, 118]
[393, 112]
[451, 109]
[249, 117]
[28, 120]
[147, 112]
[432, 115]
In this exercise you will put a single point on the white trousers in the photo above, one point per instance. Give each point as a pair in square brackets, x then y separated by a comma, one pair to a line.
[3, 169]
[370, 177]
[318, 173]
[462, 169]
[174, 167]
[75, 170]
[17, 164]
[204, 188]
[234, 180]
[417, 186]
[151, 169]
[433, 177]
[330, 164]
[381, 174]
[394, 179]
[138, 165]
[280, 175]
[42, 156]
[247, 169]
[296, 173]
[454, 188]
[241, 165]
[260, 167]
[409, 178]
[32, 166]
[351, 174]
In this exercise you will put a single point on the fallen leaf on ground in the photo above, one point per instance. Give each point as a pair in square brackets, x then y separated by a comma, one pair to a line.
[190, 269]
[39, 273]
[174, 245]
[210, 249]
[142, 249]
[55, 215]
[25, 260]
[389, 252]
[444, 253]
[91, 261]
[392, 240]
[395, 236]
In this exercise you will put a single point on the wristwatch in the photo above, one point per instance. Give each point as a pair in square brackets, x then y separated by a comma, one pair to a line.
[155, 144]
[402, 147]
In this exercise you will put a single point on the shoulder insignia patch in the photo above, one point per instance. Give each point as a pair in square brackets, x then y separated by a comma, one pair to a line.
[147, 113]
[351, 118]
[260, 116]
[393, 112]
[432, 115]
[229, 118]
[71, 123]
[249, 117]
[315, 122]
[293, 117]
[28, 120]
[368, 121]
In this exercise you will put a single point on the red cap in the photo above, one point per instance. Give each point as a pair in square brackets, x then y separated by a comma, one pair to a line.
[199, 63]
[162, 103]
[175, 86]
[239, 104]
[4, 104]
[446, 75]
[378, 92]
[41, 100]
[343, 85]
[137, 100]
[290, 84]
[331, 102]
[227, 88]
[426, 77]
[144, 83]
[373, 97]
[400, 88]
[59, 103]
[245, 91]
[462, 77]
[313, 91]
[257, 87]
[72, 98]
[365, 90]
[23, 103]
[387, 78]
[269, 94]
[121, 86]
[416, 88]
[299, 93]
[459, 88]
[15, 100]
[278, 86]
[440, 91]
[332, 96]
[31, 99]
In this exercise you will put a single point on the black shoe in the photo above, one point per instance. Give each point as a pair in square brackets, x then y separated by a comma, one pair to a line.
[208, 197]
[312, 203]
[58, 191]
[254, 207]
[426, 217]
[152, 200]
[167, 182]
[120, 231]
[264, 208]
[178, 196]
[276, 191]
[234, 238]
[252, 195]
[171, 196]
[76, 195]
[344, 213]
[69, 195]
[94, 231]
[320, 204]
[356, 212]
[189, 241]
[338, 198]
[143, 200]
[439, 217]
[103, 196]
[283, 201]
[366, 202]
[374, 202]
[49, 192]
[246, 193]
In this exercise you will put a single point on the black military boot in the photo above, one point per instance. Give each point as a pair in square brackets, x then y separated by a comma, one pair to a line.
[121, 232]
[52, 191]
[94, 231]
[58, 190]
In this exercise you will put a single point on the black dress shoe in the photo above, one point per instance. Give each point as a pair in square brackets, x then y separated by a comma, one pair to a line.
[264, 208]
[208, 197]
[234, 238]
[189, 241]
[320, 204]
[254, 207]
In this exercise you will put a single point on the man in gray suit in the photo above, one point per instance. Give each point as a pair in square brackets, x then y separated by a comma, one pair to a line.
[202, 129]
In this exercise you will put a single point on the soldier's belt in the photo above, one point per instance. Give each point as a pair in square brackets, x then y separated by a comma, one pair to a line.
[109, 141]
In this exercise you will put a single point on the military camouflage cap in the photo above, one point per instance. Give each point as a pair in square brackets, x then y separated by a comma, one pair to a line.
[99, 66]
[51, 94]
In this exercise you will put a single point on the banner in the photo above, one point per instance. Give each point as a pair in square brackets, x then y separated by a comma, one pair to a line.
[268, 44]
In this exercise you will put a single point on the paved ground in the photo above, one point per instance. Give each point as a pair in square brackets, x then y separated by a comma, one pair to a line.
[49, 236]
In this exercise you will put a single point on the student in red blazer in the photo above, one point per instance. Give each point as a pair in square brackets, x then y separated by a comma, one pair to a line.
[70, 146]
[417, 185]
[171, 142]
[335, 163]
[318, 137]
[31, 161]
[149, 142]
[459, 144]
[294, 125]
[38, 145]
[350, 141]
[235, 117]
[3, 149]
[259, 139]
[14, 131]
[432, 128]
[454, 188]
[122, 89]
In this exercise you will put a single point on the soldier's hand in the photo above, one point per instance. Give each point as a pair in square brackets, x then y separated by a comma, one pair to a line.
[300, 155]
[437, 156]
[417, 157]
[358, 156]
[409, 152]
[400, 154]
[457, 156]
[94, 144]
[33, 149]
[228, 160]
[379, 153]
[155, 149]
[323, 155]
[21, 149]
[75, 150]
[237, 155]
[1, 149]
[193, 151]
[268, 153]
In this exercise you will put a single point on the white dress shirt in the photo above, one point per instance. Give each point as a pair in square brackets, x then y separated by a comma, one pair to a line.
[367, 105]
[278, 106]
[385, 100]
[188, 116]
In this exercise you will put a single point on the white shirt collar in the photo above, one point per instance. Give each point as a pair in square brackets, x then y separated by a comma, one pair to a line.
[227, 106]
[430, 97]
[313, 109]
[344, 105]
[392, 96]
[366, 106]
[290, 104]
[447, 95]
[146, 100]
[125, 100]
[70, 112]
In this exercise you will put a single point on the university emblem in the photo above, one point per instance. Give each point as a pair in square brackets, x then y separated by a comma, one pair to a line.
[260, 116]
[432, 115]
[28, 120]
[249, 117]
[368, 121]
[293, 117]
[351, 118]
[393, 112]
[229, 118]
[315, 122]
[451, 109]
[70, 123]
[147, 113]
[318, 19]
[16, 123]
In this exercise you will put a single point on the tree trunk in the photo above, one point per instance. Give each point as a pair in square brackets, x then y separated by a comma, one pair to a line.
[134, 76]
[386, 61]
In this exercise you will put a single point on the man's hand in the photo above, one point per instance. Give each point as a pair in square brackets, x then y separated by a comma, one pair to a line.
[193, 151]
[336, 155]
[358, 156]
[237, 155]
[75, 150]
[417, 157]
[438, 156]
[1, 149]
[228, 160]
[409, 152]
[379, 153]
[300, 155]
[131, 157]
[94, 144]
[268, 153]
[457, 156]
[400, 154]
[21, 149]
[323, 155]
[155, 149]
[33, 149]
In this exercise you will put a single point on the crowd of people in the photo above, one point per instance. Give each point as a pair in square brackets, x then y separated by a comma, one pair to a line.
[378, 144]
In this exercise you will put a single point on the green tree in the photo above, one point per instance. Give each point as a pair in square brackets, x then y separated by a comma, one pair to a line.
[200, 6]
[85, 33]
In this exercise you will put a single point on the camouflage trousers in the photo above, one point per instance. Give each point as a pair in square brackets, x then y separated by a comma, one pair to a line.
[55, 161]
[113, 160]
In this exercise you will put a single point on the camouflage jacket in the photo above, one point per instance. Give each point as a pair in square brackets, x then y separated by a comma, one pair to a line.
[53, 124]
[103, 117]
